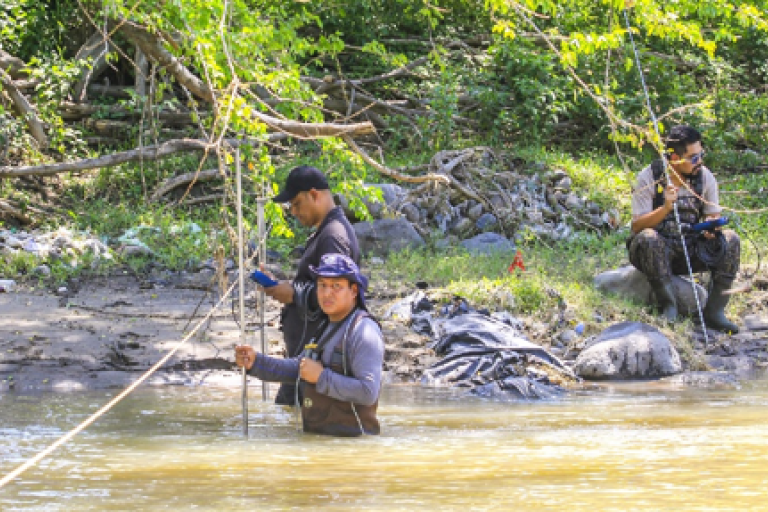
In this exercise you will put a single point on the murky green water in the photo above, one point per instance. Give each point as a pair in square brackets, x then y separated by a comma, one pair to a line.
[629, 447]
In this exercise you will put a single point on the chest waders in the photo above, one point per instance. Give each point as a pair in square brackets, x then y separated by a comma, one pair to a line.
[707, 252]
[322, 414]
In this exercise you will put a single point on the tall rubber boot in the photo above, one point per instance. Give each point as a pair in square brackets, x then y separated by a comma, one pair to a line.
[665, 298]
[714, 312]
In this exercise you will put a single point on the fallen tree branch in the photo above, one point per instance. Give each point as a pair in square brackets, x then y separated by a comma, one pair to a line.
[73, 111]
[112, 91]
[202, 199]
[7, 209]
[327, 86]
[392, 173]
[26, 110]
[183, 179]
[26, 85]
[98, 140]
[314, 130]
[107, 126]
[12, 65]
[148, 153]
[152, 47]
[352, 110]
[444, 169]
[364, 98]
[472, 43]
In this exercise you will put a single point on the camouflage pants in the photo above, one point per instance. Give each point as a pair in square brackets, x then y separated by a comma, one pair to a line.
[658, 256]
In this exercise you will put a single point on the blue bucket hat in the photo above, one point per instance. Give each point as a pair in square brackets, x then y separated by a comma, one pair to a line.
[339, 265]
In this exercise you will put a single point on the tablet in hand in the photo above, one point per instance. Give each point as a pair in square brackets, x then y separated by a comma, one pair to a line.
[263, 279]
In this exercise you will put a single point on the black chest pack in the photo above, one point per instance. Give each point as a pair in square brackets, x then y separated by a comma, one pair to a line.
[314, 349]
[710, 251]
[660, 179]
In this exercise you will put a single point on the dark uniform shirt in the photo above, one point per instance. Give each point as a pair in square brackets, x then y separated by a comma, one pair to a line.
[334, 235]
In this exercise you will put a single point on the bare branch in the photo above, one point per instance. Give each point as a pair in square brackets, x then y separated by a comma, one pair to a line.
[112, 91]
[184, 179]
[156, 152]
[96, 49]
[202, 199]
[327, 86]
[314, 130]
[392, 173]
[152, 47]
[26, 110]
[7, 209]
[14, 66]
[73, 111]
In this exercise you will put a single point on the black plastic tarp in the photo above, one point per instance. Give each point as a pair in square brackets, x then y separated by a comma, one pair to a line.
[492, 358]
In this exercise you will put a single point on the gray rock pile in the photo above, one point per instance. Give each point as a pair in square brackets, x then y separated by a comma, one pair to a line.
[484, 194]
[59, 245]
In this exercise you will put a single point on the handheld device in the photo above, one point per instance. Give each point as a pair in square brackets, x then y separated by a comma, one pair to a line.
[709, 225]
[263, 279]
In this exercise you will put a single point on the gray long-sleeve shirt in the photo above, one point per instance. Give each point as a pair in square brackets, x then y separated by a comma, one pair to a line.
[365, 354]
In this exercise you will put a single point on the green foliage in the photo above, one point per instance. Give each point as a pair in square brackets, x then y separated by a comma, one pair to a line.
[38, 27]
[439, 128]
[56, 76]
[18, 263]
[14, 137]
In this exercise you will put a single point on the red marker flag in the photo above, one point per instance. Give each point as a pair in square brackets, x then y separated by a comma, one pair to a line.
[517, 263]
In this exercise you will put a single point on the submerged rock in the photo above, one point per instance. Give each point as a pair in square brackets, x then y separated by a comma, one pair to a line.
[705, 380]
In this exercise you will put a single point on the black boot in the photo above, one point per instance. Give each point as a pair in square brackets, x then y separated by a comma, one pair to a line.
[665, 298]
[714, 312]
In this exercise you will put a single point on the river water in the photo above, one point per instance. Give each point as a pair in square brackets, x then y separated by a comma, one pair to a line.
[638, 446]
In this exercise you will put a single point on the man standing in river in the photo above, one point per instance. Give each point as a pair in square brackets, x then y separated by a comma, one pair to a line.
[656, 247]
[309, 199]
[340, 368]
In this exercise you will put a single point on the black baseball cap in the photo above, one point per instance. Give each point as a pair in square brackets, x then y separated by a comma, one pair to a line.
[301, 179]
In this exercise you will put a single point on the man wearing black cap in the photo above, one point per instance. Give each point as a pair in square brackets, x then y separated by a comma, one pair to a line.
[340, 369]
[310, 200]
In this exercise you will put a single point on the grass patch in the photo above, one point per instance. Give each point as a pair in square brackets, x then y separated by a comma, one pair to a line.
[555, 275]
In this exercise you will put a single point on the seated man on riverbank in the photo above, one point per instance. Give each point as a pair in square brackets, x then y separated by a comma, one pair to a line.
[656, 247]
[340, 368]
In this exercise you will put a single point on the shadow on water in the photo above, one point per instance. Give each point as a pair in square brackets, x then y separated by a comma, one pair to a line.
[623, 446]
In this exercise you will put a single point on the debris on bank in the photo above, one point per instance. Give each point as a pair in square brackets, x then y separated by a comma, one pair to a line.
[482, 351]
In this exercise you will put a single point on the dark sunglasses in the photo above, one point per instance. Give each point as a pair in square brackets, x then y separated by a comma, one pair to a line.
[695, 159]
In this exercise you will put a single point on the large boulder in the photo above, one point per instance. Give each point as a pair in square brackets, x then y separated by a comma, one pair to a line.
[381, 237]
[486, 243]
[630, 283]
[628, 350]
